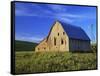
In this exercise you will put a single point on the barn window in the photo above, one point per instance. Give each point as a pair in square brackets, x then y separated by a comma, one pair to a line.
[63, 33]
[44, 48]
[65, 42]
[62, 42]
[58, 34]
[54, 41]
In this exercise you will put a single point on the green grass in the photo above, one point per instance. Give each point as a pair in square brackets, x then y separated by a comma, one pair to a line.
[31, 62]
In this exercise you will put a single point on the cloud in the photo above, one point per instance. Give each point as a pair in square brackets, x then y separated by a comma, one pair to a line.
[30, 10]
[30, 39]
[66, 19]
[69, 15]
[24, 12]
[57, 8]
[57, 12]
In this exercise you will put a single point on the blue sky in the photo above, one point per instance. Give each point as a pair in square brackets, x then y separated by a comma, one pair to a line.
[33, 21]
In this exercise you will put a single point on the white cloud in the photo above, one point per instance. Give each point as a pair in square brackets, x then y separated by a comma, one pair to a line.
[66, 19]
[20, 12]
[30, 39]
[69, 15]
[57, 8]
[54, 11]
[62, 15]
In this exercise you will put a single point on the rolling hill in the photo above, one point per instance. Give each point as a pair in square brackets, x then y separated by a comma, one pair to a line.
[24, 45]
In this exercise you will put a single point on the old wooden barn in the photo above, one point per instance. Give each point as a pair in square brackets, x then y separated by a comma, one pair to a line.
[64, 37]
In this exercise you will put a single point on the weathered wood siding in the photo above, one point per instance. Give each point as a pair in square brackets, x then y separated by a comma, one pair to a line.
[58, 39]
[43, 46]
[79, 45]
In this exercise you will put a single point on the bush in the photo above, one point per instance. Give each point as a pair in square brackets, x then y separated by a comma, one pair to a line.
[94, 48]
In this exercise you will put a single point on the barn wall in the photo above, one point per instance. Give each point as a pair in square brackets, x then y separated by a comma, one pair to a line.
[79, 45]
[58, 39]
[43, 46]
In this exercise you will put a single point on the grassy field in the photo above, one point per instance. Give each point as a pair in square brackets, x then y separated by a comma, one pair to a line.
[31, 62]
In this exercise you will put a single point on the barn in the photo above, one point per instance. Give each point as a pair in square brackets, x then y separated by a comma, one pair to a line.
[64, 37]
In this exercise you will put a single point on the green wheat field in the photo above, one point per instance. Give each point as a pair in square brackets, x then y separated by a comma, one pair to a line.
[31, 62]
[28, 61]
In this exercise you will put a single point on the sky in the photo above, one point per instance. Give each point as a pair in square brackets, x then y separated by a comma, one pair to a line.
[33, 20]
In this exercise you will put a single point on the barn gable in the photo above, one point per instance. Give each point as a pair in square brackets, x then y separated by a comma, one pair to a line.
[55, 36]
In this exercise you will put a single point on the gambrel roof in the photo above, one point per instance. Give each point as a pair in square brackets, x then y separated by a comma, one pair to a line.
[74, 32]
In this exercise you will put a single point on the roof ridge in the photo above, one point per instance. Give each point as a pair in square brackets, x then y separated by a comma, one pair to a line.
[74, 31]
[68, 24]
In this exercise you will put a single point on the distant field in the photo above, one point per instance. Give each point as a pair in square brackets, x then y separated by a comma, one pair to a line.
[31, 62]
[24, 45]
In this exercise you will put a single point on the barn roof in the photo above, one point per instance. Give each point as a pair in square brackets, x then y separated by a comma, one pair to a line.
[74, 32]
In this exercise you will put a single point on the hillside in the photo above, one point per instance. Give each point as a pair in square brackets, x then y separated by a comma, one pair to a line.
[24, 45]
